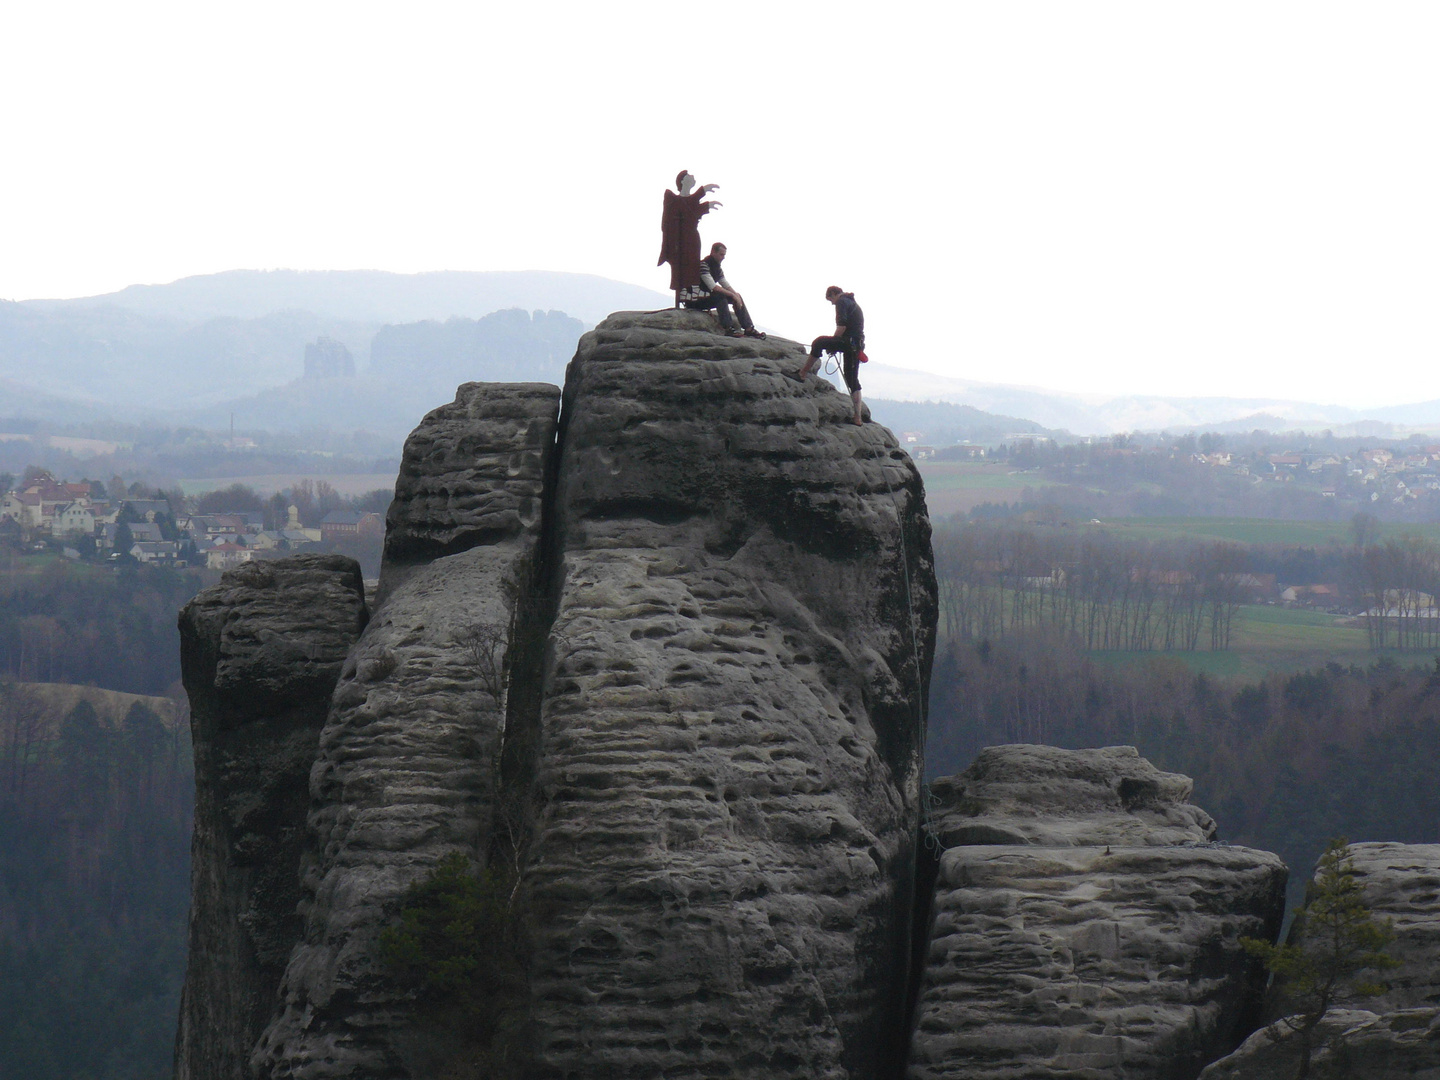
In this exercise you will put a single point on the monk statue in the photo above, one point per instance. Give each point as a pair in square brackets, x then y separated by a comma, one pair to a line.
[680, 234]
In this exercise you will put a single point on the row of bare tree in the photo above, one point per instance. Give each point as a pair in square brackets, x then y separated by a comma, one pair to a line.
[1396, 583]
[1109, 593]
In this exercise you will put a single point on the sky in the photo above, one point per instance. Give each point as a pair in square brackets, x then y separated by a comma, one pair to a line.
[1229, 198]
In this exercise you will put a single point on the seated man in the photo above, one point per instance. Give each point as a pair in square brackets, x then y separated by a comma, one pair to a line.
[719, 294]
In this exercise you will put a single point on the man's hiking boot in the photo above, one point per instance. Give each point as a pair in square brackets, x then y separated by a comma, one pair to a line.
[737, 332]
[755, 334]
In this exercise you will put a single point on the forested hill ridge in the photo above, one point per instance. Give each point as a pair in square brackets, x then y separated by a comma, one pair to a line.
[110, 362]
[96, 792]
[1101, 414]
[203, 340]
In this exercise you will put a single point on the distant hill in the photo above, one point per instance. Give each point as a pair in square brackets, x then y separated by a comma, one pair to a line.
[123, 361]
[508, 346]
[939, 423]
[19, 400]
[1095, 414]
[374, 296]
[186, 347]
[414, 367]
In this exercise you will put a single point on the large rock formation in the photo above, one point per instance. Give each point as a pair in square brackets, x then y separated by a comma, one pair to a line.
[727, 777]
[668, 666]
[1390, 1035]
[658, 660]
[260, 653]
[1085, 924]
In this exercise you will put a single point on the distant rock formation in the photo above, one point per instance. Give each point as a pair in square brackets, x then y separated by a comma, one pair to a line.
[1393, 1035]
[260, 653]
[326, 358]
[1085, 924]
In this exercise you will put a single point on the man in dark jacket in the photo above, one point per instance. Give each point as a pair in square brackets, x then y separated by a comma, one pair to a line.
[848, 340]
[716, 292]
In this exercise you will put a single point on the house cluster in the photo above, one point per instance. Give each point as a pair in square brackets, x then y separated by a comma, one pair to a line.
[226, 540]
[151, 531]
[1388, 475]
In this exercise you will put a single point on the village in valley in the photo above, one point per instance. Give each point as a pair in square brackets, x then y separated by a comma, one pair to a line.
[84, 520]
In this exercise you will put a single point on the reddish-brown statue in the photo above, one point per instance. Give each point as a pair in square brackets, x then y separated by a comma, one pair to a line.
[680, 233]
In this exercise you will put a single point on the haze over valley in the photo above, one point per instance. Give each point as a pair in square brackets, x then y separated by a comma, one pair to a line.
[196, 351]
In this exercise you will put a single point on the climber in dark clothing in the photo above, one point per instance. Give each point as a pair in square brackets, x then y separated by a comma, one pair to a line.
[848, 340]
[719, 294]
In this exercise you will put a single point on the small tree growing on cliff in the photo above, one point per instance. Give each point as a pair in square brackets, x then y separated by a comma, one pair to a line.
[1339, 942]
[485, 644]
[457, 946]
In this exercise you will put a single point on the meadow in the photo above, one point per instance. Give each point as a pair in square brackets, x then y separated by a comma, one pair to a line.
[1275, 639]
[1239, 530]
[957, 487]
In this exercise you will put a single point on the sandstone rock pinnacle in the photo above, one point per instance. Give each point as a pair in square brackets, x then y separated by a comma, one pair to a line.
[664, 663]
[261, 653]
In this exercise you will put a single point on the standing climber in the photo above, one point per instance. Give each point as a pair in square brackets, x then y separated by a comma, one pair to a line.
[848, 340]
[719, 294]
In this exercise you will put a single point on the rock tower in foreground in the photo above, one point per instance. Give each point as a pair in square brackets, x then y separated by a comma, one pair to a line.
[697, 740]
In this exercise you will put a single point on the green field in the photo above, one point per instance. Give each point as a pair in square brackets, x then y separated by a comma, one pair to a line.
[957, 487]
[1266, 639]
[1256, 530]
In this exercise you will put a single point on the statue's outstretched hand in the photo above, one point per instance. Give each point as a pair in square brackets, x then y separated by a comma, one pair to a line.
[714, 203]
[710, 187]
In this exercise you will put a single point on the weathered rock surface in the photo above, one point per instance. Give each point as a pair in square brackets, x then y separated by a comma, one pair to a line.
[694, 734]
[408, 761]
[473, 474]
[727, 775]
[1351, 1044]
[1089, 929]
[261, 653]
[1402, 884]
[1393, 1034]
[1064, 798]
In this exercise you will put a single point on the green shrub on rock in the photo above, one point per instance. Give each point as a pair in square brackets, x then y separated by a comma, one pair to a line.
[457, 945]
[1339, 942]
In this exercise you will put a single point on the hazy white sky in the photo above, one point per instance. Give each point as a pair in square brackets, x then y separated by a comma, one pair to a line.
[1231, 198]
